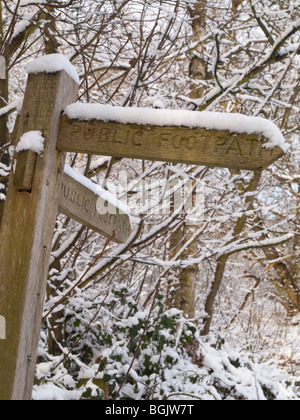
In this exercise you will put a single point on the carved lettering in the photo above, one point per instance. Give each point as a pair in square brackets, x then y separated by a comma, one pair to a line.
[219, 144]
[203, 144]
[117, 138]
[249, 147]
[252, 146]
[72, 198]
[104, 135]
[135, 141]
[114, 137]
[116, 221]
[234, 146]
[127, 138]
[89, 132]
[133, 138]
[75, 198]
[176, 142]
[83, 205]
[256, 148]
[66, 191]
[164, 137]
[76, 129]
[191, 143]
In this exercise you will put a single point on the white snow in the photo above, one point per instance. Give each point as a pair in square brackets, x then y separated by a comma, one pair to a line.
[52, 63]
[51, 392]
[105, 195]
[24, 23]
[33, 140]
[235, 123]
[11, 107]
[24, 3]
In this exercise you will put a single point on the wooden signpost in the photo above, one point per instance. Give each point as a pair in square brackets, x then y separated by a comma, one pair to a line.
[38, 188]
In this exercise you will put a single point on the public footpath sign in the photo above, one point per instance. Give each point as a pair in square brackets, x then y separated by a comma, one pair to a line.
[94, 207]
[39, 188]
[234, 141]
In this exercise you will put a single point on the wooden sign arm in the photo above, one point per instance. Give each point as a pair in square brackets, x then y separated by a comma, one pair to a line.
[87, 203]
[226, 140]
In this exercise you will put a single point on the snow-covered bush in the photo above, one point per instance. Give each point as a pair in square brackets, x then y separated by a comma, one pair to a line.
[131, 353]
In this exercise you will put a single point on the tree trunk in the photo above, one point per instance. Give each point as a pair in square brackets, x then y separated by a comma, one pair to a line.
[287, 275]
[50, 41]
[222, 261]
[236, 4]
[285, 283]
[198, 65]
[186, 279]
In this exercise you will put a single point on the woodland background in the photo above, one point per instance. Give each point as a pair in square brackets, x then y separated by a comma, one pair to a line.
[209, 311]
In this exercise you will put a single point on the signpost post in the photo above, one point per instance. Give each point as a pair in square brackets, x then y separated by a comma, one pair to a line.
[38, 188]
[26, 234]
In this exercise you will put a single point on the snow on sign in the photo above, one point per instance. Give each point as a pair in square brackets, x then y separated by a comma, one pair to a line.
[210, 139]
[90, 205]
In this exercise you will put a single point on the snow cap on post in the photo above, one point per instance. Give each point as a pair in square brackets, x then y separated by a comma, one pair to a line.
[52, 63]
[33, 140]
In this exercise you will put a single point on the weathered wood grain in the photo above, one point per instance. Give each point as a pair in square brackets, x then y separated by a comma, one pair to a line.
[26, 235]
[2, 328]
[210, 148]
[25, 170]
[79, 203]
